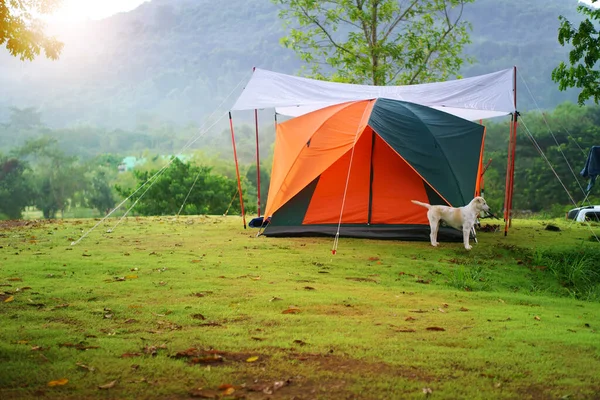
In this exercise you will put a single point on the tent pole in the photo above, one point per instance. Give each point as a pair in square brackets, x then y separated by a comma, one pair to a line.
[237, 170]
[508, 178]
[514, 148]
[512, 180]
[257, 163]
[257, 158]
[371, 176]
[510, 167]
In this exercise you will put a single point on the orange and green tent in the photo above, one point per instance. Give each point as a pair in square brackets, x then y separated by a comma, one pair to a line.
[354, 167]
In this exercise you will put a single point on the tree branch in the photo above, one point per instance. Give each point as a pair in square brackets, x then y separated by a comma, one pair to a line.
[398, 19]
[322, 28]
[450, 28]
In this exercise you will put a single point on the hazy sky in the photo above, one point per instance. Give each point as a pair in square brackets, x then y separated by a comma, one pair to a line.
[81, 10]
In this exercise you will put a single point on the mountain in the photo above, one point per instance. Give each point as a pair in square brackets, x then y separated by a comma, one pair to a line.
[177, 60]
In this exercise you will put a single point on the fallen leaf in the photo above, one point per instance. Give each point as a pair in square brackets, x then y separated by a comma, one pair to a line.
[60, 306]
[423, 281]
[131, 321]
[537, 318]
[9, 299]
[441, 310]
[59, 382]
[300, 342]
[427, 391]
[291, 310]
[309, 288]
[225, 386]
[198, 316]
[252, 359]
[108, 385]
[15, 279]
[259, 339]
[435, 328]
[464, 309]
[276, 299]
[410, 319]
[131, 277]
[405, 330]
[85, 367]
[445, 305]
[373, 258]
[419, 311]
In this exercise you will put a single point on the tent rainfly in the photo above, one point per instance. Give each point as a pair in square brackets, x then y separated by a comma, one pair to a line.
[354, 156]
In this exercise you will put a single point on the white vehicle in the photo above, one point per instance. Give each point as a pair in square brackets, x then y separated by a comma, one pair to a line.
[582, 214]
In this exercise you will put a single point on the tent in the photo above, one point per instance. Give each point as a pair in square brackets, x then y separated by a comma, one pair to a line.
[358, 164]
[353, 156]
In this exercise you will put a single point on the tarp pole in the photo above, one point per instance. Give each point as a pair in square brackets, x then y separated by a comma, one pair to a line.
[237, 170]
[257, 159]
[479, 183]
[512, 181]
[508, 178]
[510, 165]
[257, 163]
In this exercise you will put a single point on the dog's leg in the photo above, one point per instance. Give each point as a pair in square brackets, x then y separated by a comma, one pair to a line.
[466, 234]
[434, 224]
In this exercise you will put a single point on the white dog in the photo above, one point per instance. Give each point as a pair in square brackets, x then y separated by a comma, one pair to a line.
[461, 218]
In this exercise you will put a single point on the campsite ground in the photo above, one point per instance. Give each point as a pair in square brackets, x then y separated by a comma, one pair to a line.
[199, 307]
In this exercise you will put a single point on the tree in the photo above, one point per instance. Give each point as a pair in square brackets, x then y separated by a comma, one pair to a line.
[58, 176]
[22, 33]
[100, 193]
[166, 193]
[581, 72]
[15, 190]
[381, 42]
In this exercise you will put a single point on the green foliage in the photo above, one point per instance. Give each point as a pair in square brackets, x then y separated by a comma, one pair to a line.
[22, 33]
[194, 187]
[565, 136]
[582, 71]
[15, 187]
[59, 176]
[577, 270]
[101, 196]
[381, 42]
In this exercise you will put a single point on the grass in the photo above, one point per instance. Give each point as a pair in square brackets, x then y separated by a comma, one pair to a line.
[165, 308]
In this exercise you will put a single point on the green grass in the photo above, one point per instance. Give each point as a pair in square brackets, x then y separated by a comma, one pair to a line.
[517, 320]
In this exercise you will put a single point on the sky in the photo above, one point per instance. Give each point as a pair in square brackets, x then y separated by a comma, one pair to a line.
[82, 10]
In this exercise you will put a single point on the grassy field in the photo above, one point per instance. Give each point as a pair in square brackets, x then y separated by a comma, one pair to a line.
[200, 307]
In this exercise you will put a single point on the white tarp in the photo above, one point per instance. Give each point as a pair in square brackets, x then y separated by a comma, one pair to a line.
[474, 98]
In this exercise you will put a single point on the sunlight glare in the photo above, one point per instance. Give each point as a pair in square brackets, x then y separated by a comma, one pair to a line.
[82, 10]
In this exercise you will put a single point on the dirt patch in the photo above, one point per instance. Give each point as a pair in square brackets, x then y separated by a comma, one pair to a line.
[336, 375]
[19, 223]
[334, 363]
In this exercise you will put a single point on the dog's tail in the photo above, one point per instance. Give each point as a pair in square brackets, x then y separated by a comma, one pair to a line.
[427, 206]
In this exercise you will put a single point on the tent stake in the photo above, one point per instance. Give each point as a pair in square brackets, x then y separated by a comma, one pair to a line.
[237, 170]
